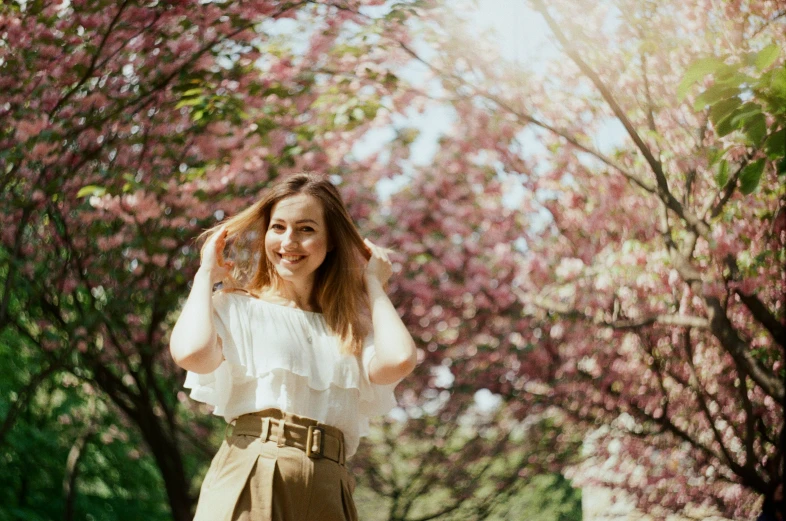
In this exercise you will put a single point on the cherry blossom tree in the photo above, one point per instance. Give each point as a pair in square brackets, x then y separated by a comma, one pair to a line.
[127, 128]
[644, 294]
[631, 291]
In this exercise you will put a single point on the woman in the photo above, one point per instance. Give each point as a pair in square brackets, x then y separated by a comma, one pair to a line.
[296, 353]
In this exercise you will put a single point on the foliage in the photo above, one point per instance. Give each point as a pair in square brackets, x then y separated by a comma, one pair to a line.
[128, 127]
[468, 462]
[748, 97]
[636, 289]
[647, 299]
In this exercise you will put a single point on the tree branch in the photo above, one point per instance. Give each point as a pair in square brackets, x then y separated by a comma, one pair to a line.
[697, 387]
[724, 331]
[662, 190]
[23, 396]
[757, 308]
[93, 62]
[529, 119]
[12, 264]
[72, 467]
[727, 191]
[763, 315]
[569, 312]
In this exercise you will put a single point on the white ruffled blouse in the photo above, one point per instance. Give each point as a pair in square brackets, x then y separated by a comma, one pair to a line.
[283, 357]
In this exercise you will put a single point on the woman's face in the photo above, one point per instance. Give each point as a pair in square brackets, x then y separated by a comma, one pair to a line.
[296, 241]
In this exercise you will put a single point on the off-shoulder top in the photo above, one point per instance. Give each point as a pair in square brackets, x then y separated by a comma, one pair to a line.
[282, 357]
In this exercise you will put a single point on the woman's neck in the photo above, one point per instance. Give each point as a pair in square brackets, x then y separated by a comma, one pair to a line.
[300, 296]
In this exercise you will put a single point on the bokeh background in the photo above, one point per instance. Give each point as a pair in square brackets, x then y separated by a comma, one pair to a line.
[585, 198]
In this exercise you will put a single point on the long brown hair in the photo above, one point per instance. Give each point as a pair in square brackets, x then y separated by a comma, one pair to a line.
[338, 284]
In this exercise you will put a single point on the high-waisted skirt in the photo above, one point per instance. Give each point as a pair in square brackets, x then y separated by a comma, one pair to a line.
[276, 466]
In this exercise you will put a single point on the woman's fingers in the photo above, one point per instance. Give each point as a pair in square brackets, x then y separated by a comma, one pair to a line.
[377, 251]
[379, 265]
[213, 252]
[220, 245]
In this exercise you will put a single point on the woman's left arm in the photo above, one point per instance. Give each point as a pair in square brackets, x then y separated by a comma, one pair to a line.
[395, 354]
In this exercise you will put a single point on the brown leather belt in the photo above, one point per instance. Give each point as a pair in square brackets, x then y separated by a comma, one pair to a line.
[316, 439]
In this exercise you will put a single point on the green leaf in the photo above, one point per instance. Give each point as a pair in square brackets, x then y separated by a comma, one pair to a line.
[713, 95]
[695, 72]
[721, 115]
[390, 81]
[731, 77]
[192, 92]
[714, 154]
[767, 56]
[778, 82]
[722, 174]
[745, 113]
[188, 102]
[781, 166]
[91, 190]
[756, 129]
[750, 176]
[775, 145]
[723, 109]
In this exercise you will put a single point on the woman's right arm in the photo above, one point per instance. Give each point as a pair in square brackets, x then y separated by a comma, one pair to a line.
[194, 344]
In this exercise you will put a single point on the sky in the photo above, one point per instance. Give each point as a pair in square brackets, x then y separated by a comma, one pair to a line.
[519, 33]
[522, 37]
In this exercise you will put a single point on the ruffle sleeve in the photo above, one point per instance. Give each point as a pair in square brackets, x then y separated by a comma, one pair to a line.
[215, 388]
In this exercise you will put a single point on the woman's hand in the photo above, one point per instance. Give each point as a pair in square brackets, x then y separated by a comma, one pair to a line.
[379, 267]
[213, 257]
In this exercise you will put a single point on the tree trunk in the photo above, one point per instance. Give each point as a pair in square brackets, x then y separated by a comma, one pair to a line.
[168, 458]
[158, 438]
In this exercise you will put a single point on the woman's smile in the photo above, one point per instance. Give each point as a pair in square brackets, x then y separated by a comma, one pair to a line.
[290, 258]
[297, 238]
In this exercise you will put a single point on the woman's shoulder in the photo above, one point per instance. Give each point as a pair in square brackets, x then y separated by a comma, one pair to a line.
[224, 298]
[233, 291]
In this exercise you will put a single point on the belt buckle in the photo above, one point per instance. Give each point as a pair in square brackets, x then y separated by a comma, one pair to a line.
[315, 442]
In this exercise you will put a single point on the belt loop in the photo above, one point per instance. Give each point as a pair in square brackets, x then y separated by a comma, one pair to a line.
[342, 454]
[280, 432]
[265, 434]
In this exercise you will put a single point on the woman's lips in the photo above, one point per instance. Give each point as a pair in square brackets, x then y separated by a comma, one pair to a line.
[290, 258]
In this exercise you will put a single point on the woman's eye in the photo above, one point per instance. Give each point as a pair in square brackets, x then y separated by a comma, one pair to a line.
[307, 229]
[277, 227]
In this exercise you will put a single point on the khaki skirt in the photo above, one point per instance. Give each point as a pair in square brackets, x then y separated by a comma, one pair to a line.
[276, 466]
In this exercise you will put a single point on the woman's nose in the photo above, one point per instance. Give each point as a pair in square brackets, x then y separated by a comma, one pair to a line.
[289, 238]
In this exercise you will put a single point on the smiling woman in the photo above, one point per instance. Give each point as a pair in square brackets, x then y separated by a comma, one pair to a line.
[297, 352]
[296, 243]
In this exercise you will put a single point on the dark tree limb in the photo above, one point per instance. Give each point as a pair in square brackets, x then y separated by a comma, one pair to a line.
[662, 185]
[93, 62]
[23, 398]
[12, 264]
[72, 469]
